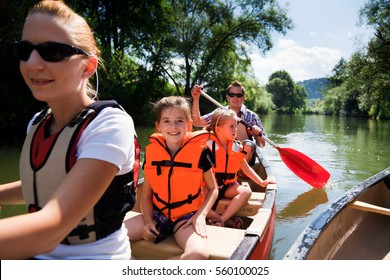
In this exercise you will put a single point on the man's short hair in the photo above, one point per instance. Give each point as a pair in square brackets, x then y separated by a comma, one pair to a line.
[236, 84]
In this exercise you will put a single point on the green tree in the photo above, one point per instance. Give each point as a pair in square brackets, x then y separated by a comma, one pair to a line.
[280, 91]
[334, 103]
[338, 73]
[288, 96]
[298, 101]
[152, 48]
[257, 97]
[360, 86]
[374, 96]
[130, 34]
[207, 38]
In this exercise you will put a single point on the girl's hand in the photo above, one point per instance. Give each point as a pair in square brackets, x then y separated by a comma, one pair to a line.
[149, 231]
[267, 182]
[199, 224]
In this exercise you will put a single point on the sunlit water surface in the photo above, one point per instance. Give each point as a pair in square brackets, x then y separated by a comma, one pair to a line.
[351, 149]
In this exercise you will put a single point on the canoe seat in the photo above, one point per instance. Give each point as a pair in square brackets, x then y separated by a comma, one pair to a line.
[219, 248]
[360, 205]
[250, 209]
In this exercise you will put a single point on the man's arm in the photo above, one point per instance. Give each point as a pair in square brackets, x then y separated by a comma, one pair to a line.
[196, 117]
[260, 141]
[257, 130]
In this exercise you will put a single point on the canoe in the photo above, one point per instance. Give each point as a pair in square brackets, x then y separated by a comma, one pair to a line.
[252, 242]
[354, 227]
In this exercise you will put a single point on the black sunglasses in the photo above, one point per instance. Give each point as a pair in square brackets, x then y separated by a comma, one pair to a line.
[49, 51]
[238, 95]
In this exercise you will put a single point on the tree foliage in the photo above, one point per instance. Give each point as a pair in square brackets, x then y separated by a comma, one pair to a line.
[287, 96]
[216, 33]
[361, 85]
[153, 48]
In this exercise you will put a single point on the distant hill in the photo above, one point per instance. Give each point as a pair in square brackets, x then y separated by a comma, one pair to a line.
[314, 87]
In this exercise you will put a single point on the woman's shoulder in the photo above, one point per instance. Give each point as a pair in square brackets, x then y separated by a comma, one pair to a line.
[114, 116]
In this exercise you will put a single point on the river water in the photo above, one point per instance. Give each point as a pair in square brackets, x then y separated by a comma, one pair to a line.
[351, 149]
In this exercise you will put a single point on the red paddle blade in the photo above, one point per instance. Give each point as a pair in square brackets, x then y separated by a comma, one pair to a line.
[304, 167]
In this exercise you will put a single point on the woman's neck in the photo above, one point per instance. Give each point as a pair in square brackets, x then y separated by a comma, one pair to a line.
[64, 112]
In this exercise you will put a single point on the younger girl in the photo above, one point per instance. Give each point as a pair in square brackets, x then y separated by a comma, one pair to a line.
[230, 158]
[176, 164]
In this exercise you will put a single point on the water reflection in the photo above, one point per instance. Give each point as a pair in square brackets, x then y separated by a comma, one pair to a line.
[350, 149]
[303, 204]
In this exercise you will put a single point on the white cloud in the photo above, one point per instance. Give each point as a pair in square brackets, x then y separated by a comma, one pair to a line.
[300, 62]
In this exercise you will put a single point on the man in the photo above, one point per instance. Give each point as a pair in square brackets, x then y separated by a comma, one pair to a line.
[235, 96]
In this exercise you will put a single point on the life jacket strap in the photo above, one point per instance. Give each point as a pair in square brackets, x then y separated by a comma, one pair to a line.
[177, 204]
[102, 230]
[169, 163]
[221, 194]
[41, 115]
[222, 177]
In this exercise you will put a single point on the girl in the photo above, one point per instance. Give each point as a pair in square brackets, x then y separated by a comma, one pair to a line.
[176, 163]
[78, 155]
[230, 158]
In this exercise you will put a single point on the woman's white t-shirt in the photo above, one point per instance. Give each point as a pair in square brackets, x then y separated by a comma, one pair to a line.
[109, 137]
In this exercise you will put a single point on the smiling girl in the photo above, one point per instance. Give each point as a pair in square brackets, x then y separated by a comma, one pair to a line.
[177, 162]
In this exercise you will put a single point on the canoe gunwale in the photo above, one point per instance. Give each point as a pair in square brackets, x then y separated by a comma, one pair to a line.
[253, 236]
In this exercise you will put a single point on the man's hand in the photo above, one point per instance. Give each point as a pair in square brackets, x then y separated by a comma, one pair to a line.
[196, 92]
[256, 131]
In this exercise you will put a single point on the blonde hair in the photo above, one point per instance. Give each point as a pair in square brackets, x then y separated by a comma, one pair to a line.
[172, 102]
[219, 117]
[77, 28]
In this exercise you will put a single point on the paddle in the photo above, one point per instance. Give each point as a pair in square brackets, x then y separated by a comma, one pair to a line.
[303, 166]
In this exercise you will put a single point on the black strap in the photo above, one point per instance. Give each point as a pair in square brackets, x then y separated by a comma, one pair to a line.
[177, 204]
[41, 116]
[102, 229]
[222, 177]
[169, 163]
[221, 194]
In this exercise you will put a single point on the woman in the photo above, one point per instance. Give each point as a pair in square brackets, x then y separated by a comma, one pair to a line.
[78, 156]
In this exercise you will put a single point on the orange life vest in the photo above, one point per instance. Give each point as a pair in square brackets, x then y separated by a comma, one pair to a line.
[175, 181]
[227, 162]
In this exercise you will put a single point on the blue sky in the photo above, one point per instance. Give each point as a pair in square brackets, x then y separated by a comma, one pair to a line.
[325, 31]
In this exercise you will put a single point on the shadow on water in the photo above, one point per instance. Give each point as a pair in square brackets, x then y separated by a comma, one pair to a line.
[303, 204]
